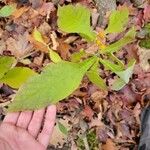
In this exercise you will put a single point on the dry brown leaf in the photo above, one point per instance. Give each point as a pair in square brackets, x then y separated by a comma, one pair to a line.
[147, 13]
[71, 39]
[123, 131]
[142, 83]
[55, 43]
[36, 3]
[139, 19]
[98, 97]
[58, 138]
[2, 46]
[1, 32]
[39, 60]
[97, 122]
[144, 56]
[38, 46]
[137, 112]
[44, 28]
[132, 50]
[63, 48]
[109, 145]
[73, 145]
[91, 48]
[95, 17]
[128, 96]
[87, 112]
[131, 8]
[19, 12]
[19, 46]
[46, 9]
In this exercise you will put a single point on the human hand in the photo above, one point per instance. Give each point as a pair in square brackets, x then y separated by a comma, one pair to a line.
[27, 130]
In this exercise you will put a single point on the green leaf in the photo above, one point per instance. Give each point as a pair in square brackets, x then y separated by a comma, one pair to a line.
[117, 21]
[76, 57]
[17, 76]
[6, 11]
[145, 31]
[38, 36]
[123, 74]
[145, 43]
[94, 77]
[111, 66]
[118, 61]
[56, 82]
[62, 128]
[75, 19]
[54, 56]
[126, 74]
[128, 38]
[118, 84]
[5, 64]
[147, 27]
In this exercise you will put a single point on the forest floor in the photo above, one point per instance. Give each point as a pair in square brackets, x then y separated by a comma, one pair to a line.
[94, 118]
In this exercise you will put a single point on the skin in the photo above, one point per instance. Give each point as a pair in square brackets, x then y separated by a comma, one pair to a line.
[27, 130]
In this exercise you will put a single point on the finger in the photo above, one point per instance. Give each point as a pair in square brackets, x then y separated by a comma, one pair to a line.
[11, 118]
[48, 126]
[35, 123]
[24, 119]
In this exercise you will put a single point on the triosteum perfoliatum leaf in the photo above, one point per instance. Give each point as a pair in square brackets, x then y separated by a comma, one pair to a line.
[75, 19]
[56, 82]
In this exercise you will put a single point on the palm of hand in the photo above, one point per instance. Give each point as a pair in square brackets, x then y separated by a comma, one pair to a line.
[22, 131]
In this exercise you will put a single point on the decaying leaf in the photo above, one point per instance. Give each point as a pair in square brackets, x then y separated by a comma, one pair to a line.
[144, 56]
[36, 3]
[19, 46]
[104, 7]
[44, 28]
[19, 12]
[109, 145]
[2, 46]
[46, 9]
[38, 41]
[38, 45]
[58, 137]
[147, 13]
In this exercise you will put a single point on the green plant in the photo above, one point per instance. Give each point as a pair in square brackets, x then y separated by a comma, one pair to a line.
[91, 140]
[145, 42]
[62, 128]
[7, 10]
[13, 76]
[59, 79]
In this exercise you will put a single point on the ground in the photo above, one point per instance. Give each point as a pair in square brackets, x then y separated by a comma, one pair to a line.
[95, 118]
